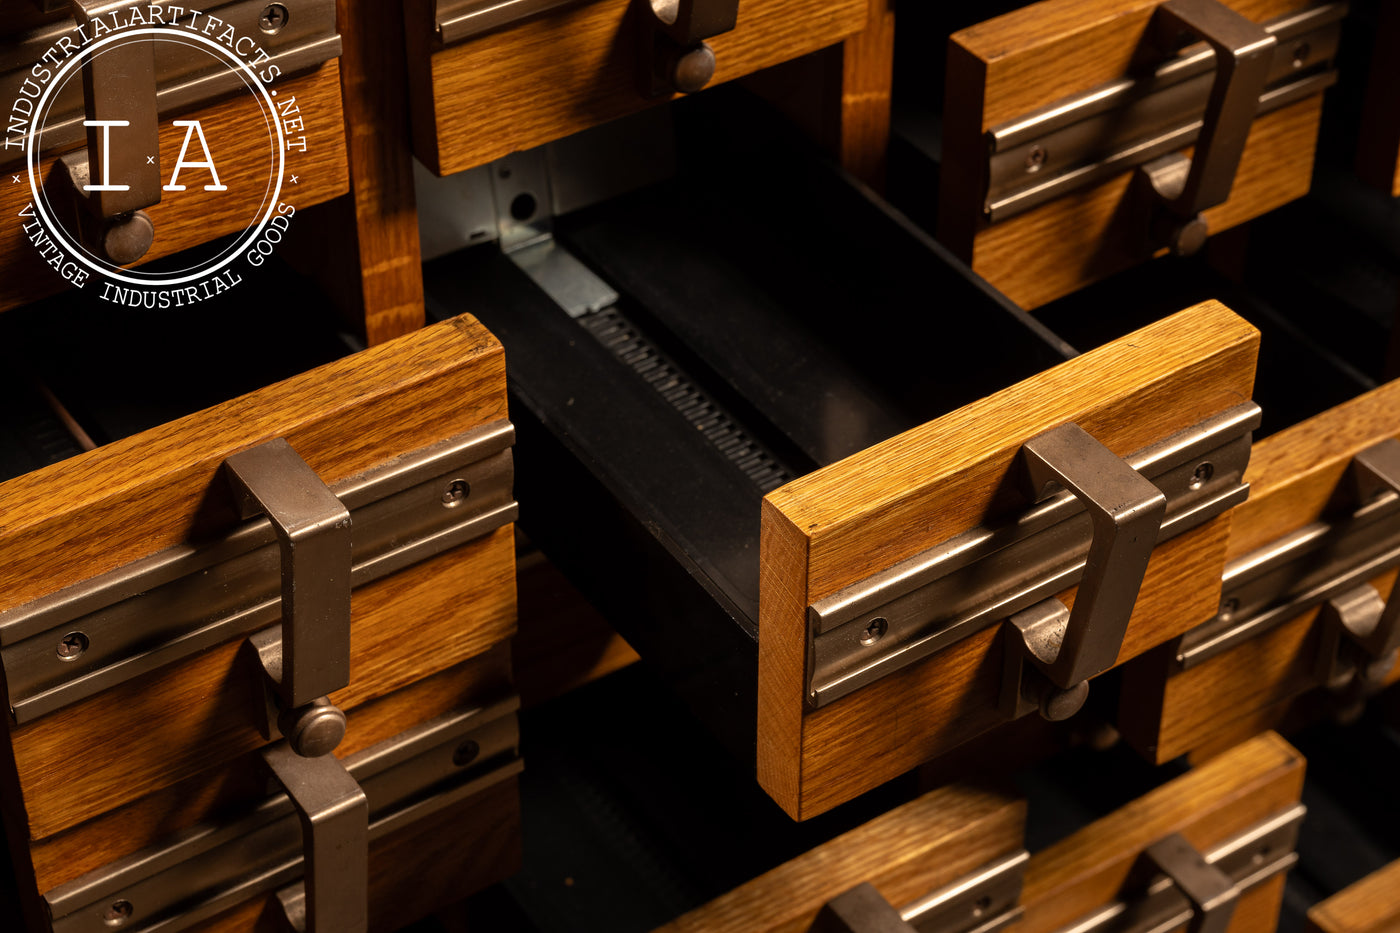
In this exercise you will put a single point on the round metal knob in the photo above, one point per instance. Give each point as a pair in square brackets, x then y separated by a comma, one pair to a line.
[126, 239]
[1057, 705]
[313, 730]
[1189, 237]
[694, 69]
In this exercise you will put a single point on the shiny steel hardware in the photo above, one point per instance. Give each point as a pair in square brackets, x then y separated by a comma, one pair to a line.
[185, 77]
[1068, 647]
[674, 54]
[184, 881]
[456, 20]
[311, 658]
[997, 572]
[1086, 139]
[186, 599]
[1326, 564]
[1171, 886]
[112, 183]
[1180, 188]
[334, 816]
[984, 901]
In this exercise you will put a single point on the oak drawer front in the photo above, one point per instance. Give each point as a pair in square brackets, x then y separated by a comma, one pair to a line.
[575, 66]
[879, 512]
[171, 683]
[220, 850]
[1368, 906]
[1042, 205]
[245, 118]
[954, 859]
[1313, 543]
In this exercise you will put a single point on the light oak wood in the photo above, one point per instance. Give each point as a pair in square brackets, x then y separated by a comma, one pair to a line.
[365, 252]
[840, 524]
[1372, 905]
[1292, 475]
[421, 867]
[188, 218]
[136, 496]
[212, 792]
[567, 70]
[1208, 805]
[1039, 54]
[906, 854]
[841, 96]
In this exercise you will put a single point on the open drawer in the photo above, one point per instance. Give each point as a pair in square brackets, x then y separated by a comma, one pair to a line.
[736, 461]
[178, 598]
[1211, 845]
[491, 78]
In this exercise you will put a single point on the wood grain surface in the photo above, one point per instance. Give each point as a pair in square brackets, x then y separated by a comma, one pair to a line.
[569, 69]
[197, 714]
[1293, 475]
[422, 867]
[212, 792]
[1207, 806]
[188, 218]
[841, 96]
[1039, 54]
[136, 496]
[840, 524]
[906, 854]
[366, 253]
[1369, 906]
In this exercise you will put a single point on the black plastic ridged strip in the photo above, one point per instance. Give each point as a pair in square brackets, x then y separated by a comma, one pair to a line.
[627, 343]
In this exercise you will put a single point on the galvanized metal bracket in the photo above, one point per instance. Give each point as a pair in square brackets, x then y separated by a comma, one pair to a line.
[72, 644]
[1085, 140]
[983, 901]
[334, 816]
[1327, 564]
[1244, 53]
[459, 20]
[199, 873]
[1067, 648]
[1011, 570]
[674, 55]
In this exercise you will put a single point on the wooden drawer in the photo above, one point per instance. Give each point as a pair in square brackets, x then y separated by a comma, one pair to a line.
[110, 644]
[241, 130]
[704, 371]
[1369, 906]
[575, 66]
[1042, 204]
[1302, 549]
[916, 857]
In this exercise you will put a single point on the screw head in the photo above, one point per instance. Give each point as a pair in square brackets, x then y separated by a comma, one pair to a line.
[117, 913]
[274, 18]
[1228, 608]
[72, 645]
[456, 493]
[466, 753]
[1036, 158]
[874, 631]
[1202, 475]
[1301, 52]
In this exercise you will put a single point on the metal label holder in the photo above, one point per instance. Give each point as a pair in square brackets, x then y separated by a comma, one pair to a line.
[988, 575]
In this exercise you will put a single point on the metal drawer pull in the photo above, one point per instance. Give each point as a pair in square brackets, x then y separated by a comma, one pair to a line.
[119, 90]
[334, 816]
[1067, 648]
[307, 657]
[675, 56]
[1181, 188]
